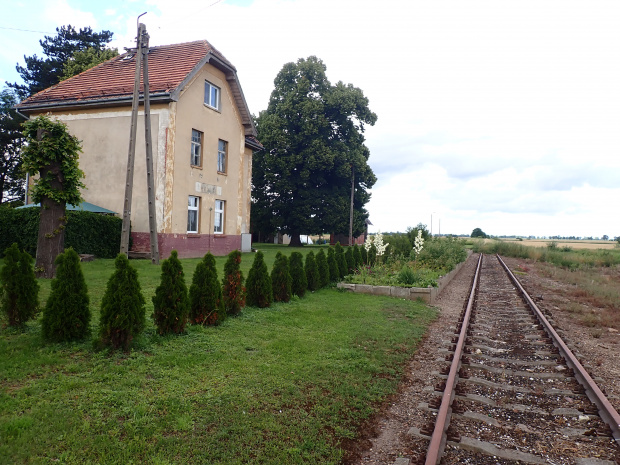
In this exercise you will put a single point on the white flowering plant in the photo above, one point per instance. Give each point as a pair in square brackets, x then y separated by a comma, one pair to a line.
[418, 243]
[379, 244]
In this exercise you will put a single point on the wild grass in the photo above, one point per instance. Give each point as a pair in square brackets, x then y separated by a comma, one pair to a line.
[565, 257]
[287, 384]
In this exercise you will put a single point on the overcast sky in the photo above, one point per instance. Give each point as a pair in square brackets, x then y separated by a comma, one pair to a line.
[502, 115]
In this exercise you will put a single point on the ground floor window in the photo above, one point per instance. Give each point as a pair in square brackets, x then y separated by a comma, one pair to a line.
[218, 224]
[193, 205]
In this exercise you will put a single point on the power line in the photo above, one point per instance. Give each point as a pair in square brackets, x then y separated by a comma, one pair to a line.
[26, 30]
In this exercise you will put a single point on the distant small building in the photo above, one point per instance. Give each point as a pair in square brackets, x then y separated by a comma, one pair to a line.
[203, 138]
[344, 238]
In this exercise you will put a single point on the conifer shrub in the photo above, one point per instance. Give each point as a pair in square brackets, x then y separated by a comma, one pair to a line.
[19, 290]
[233, 291]
[299, 282]
[171, 302]
[348, 255]
[364, 254]
[122, 306]
[340, 260]
[258, 284]
[281, 279]
[334, 269]
[372, 255]
[323, 267]
[357, 256]
[66, 316]
[312, 272]
[206, 305]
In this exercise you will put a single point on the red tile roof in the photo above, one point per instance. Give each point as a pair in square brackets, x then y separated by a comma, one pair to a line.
[168, 66]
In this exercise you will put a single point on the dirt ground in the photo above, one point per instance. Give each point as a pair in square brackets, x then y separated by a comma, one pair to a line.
[385, 438]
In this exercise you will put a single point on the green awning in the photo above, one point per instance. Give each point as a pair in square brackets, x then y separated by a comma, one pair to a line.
[84, 206]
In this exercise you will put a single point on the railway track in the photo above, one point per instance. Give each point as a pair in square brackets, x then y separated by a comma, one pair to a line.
[513, 391]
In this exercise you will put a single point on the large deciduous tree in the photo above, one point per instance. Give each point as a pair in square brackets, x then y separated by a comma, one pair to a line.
[313, 133]
[11, 141]
[41, 73]
[52, 153]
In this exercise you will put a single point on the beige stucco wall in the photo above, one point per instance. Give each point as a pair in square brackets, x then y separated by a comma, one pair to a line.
[206, 182]
[105, 141]
[105, 144]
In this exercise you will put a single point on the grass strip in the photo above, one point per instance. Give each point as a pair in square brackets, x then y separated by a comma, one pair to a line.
[286, 384]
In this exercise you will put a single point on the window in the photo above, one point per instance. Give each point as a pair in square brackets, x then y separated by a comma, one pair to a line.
[218, 224]
[212, 95]
[222, 148]
[193, 204]
[196, 154]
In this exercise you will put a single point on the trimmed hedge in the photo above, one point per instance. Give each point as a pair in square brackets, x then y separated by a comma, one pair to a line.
[86, 232]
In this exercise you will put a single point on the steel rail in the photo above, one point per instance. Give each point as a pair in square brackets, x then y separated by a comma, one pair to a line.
[439, 437]
[605, 409]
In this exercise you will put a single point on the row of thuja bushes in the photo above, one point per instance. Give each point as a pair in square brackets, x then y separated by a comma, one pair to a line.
[564, 256]
[208, 301]
[85, 232]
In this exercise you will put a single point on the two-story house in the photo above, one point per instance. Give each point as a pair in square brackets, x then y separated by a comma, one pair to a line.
[203, 138]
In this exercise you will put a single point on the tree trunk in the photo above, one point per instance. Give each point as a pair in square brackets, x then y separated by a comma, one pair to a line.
[52, 221]
[295, 240]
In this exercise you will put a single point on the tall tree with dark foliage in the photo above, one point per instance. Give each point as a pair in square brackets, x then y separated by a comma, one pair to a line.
[313, 133]
[41, 73]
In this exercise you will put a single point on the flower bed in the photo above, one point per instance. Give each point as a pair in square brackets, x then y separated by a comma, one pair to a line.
[428, 294]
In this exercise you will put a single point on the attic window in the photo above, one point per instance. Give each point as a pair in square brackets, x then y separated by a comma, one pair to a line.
[128, 57]
[212, 96]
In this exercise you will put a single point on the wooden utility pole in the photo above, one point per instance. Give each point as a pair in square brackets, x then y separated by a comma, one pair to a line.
[142, 49]
[149, 153]
[351, 211]
[131, 155]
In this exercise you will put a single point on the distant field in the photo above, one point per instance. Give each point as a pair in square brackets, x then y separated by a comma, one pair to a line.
[565, 243]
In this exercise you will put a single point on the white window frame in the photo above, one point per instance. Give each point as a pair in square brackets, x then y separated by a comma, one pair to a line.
[193, 207]
[222, 156]
[218, 221]
[196, 149]
[212, 96]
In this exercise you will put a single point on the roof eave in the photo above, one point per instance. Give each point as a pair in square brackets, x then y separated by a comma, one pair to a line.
[254, 145]
[160, 97]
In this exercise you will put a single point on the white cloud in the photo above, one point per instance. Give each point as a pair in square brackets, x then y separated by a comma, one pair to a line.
[499, 115]
[61, 13]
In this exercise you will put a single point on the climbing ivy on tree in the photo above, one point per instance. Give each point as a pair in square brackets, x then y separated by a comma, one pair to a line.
[52, 153]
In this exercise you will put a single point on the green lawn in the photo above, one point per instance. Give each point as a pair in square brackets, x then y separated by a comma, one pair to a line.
[280, 385]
